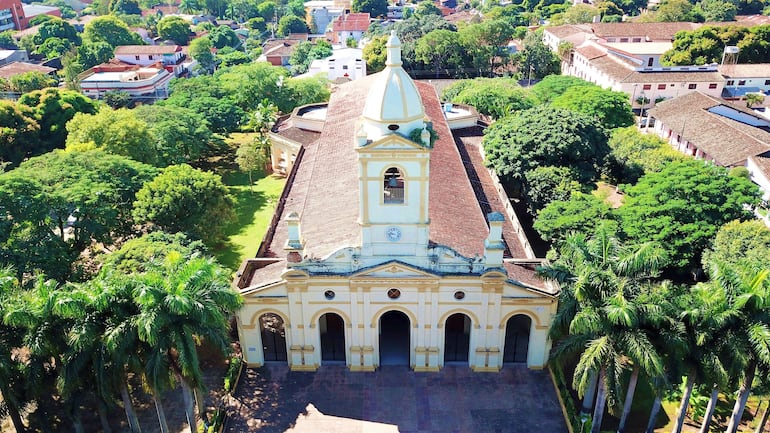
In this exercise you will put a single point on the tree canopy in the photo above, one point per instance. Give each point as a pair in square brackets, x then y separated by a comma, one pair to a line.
[375, 8]
[740, 242]
[183, 199]
[497, 97]
[706, 44]
[71, 199]
[116, 131]
[174, 28]
[682, 207]
[52, 108]
[545, 136]
[611, 108]
[111, 30]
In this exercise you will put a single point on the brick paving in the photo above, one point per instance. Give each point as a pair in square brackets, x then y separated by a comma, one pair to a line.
[394, 399]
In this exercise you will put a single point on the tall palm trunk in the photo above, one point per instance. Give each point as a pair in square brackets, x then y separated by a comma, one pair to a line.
[133, 421]
[201, 405]
[682, 412]
[763, 421]
[656, 404]
[102, 408]
[629, 399]
[189, 407]
[161, 414]
[704, 428]
[18, 424]
[740, 401]
[589, 397]
[601, 401]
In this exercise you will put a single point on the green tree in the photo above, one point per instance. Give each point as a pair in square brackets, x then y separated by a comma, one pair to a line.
[220, 112]
[717, 10]
[553, 86]
[291, 24]
[611, 108]
[180, 302]
[486, 43]
[174, 28]
[228, 56]
[56, 28]
[249, 159]
[580, 213]
[137, 254]
[91, 54]
[374, 54]
[739, 242]
[637, 153]
[119, 132]
[579, 14]
[52, 108]
[7, 42]
[180, 134]
[126, 7]
[12, 383]
[304, 54]
[19, 132]
[111, 30]
[547, 184]
[427, 8]
[223, 36]
[676, 11]
[54, 47]
[537, 60]
[753, 99]
[183, 199]
[86, 197]
[682, 207]
[440, 48]
[200, 50]
[545, 136]
[30, 81]
[495, 97]
[375, 8]
[603, 312]
[303, 91]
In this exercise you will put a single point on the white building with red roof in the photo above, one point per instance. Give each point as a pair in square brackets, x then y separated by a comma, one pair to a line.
[172, 57]
[346, 26]
[390, 246]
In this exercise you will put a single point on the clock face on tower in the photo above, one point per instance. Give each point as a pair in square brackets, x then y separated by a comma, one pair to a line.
[393, 233]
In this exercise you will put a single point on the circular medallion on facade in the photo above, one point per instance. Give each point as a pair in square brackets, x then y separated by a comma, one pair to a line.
[394, 293]
[459, 295]
[329, 294]
[393, 233]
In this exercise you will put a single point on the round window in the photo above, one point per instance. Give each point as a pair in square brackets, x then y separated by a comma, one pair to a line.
[394, 293]
[459, 295]
[393, 127]
[329, 294]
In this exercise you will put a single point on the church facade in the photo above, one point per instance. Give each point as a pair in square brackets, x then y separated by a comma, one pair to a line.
[392, 244]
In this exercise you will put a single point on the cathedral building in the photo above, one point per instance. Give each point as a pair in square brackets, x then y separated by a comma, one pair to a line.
[392, 243]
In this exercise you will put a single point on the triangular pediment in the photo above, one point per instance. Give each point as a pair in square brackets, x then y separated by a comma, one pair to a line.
[394, 269]
[392, 142]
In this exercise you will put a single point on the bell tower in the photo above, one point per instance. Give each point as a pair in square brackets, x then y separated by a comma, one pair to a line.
[393, 145]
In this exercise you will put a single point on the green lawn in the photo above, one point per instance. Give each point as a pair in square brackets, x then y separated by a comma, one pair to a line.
[254, 208]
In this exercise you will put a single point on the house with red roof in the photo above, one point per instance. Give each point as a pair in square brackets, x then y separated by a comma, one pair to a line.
[172, 57]
[352, 25]
[392, 243]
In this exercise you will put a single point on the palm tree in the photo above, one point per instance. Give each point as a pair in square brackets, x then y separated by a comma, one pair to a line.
[11, 378]
[181, 302]
[602, 318]
[753, 99]
[749, 292]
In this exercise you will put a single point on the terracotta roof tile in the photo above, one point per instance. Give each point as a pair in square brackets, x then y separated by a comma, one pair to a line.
[759, 70]
[727, 141]
[147, 49]
[762, 162]
[16, 68]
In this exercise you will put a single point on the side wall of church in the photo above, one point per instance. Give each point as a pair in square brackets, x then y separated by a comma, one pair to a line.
[427, 303]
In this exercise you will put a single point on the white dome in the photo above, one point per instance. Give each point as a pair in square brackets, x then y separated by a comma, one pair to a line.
[393, 98]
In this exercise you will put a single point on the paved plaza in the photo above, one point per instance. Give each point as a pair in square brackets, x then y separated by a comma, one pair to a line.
[394, 399]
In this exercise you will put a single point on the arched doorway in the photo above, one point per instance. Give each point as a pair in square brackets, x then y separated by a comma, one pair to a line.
[457, 338]
[332, 329]
[394, 338]
[273, 337]
[517, 339]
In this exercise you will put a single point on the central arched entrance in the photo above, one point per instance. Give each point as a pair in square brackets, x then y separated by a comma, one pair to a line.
[394, 338]
[457, 338]
[517, 339]
[273, 337]
[332, 329]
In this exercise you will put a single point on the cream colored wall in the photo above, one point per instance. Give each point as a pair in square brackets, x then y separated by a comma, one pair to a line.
[427, 302]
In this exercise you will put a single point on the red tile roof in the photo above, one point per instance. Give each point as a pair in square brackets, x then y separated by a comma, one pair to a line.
[325, 189]
[146, 49]
[16, 68]
[357, 22]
